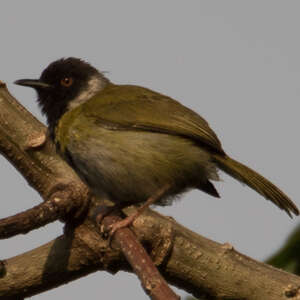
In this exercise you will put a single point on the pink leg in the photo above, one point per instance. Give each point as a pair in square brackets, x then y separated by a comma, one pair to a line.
[129, 220]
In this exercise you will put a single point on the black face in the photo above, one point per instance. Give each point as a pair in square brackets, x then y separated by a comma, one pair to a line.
[60, 83]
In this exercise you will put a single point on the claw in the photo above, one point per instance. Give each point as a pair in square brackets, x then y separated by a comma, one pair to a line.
[122, 224]
[112, 229]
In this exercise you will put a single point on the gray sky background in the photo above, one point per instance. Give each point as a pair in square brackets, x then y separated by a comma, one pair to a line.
[235, 62]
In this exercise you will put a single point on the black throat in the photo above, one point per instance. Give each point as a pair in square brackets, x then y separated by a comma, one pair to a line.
[53, 110]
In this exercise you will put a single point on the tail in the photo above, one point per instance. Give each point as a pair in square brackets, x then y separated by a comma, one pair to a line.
[256, 182]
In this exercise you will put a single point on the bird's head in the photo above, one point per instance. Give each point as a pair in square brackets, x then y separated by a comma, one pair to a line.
[63, 85]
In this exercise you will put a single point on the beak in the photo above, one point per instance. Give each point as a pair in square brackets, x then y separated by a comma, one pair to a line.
[34, 83]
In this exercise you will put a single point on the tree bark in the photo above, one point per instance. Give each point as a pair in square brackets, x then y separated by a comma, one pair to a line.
[185, 259]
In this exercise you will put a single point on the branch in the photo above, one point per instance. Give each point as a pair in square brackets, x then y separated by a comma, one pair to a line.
[152, 281]
[35, 217]
[185, 259]
[23, 141]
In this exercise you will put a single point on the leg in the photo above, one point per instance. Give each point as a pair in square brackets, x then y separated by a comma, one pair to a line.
[129, 220]
[103, 210]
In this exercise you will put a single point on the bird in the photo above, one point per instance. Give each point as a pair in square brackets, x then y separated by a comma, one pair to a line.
[133, 145]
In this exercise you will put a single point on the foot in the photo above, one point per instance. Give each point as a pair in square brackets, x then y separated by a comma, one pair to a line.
[122, 224]
[129, 220]
[102, 211]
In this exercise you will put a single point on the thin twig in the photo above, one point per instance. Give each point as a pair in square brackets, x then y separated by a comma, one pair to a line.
[152, 281]
[35, 217]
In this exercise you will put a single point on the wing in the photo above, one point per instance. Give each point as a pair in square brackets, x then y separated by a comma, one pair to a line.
[136, 108]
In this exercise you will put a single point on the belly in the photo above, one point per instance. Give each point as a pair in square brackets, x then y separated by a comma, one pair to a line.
[130, 166]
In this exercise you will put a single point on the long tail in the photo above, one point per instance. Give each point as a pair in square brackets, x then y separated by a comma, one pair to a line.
[256, 182]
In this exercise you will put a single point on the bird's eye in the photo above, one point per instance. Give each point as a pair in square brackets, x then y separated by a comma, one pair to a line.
[66, 81]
